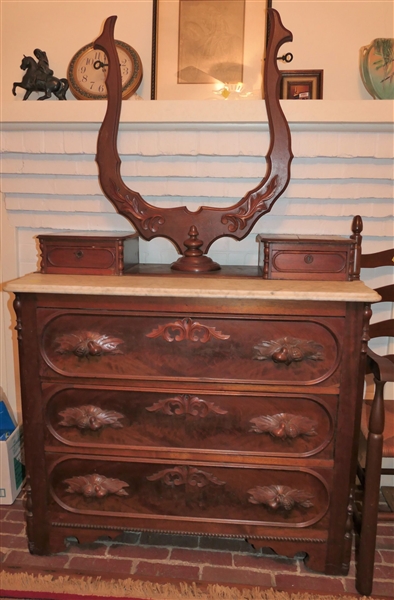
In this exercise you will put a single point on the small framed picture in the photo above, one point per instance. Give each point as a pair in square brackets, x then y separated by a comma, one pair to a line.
[301, 85]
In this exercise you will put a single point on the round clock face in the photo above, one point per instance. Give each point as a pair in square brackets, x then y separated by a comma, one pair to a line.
[88, 69]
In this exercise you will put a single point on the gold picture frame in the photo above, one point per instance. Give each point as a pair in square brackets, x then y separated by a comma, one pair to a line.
[301, 85]
[206, 49]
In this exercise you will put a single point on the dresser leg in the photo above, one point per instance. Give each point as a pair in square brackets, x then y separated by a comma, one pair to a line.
[37, 538]
[316, 551]
[316, 559]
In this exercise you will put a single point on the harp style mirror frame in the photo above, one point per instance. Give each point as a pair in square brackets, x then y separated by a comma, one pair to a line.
[193, 232]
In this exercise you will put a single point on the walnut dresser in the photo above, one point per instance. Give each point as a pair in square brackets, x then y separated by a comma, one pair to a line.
[224, 407]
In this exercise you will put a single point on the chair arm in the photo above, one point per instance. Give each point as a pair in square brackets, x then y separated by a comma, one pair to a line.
[381, 367]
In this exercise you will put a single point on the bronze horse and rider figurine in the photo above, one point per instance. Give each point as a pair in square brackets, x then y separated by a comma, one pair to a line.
[39, 78]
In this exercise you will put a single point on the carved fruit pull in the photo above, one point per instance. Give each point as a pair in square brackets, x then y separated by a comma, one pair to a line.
[88, 343]
[90, 417]
[96, 486]
[186, 405]
[186, 329]
[280, 496]
[288, 350]
[284, 425]
[185, 476]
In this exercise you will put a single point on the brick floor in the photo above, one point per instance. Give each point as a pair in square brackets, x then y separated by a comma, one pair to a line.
[189, 558]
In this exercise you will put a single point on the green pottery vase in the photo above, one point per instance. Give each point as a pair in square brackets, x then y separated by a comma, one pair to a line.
[377, 68]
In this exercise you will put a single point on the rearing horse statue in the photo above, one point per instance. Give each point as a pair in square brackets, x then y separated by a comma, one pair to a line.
[38, 79]
[208, 222]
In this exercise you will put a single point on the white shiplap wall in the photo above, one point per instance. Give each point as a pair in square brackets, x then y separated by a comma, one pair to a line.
[50, 184]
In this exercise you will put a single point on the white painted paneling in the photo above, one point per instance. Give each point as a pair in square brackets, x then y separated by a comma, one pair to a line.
[50, 184]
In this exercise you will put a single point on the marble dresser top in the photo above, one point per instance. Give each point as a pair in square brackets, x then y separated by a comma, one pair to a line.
[194, 286]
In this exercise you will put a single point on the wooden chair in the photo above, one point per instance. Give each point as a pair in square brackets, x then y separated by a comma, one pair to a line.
[377, 427]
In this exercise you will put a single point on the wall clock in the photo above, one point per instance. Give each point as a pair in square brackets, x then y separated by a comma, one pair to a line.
[87, 72]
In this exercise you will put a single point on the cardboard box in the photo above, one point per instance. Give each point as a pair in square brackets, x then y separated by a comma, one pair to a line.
[12, 466]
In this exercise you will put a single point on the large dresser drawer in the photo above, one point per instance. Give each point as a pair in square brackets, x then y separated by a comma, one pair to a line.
[267, 424]
[290, 350]
[200, 493]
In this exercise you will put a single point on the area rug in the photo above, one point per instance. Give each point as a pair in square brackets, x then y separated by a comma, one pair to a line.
[27, 586]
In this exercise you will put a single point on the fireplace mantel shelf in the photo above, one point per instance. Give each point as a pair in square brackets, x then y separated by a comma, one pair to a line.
[363, 115]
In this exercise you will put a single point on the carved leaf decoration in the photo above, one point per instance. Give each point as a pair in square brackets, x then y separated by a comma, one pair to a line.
[90, 417]
[284, 425]
[256, 203]
[137, 208]
[96, 486]
[185, 476]
[88, 343]
[186, 405]
[288, 350]
[186, 329]
[280, 496]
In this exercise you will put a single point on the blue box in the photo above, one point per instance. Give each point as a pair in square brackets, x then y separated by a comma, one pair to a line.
[7, 425]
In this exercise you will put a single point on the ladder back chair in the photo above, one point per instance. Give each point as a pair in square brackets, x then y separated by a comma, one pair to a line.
[377, 428]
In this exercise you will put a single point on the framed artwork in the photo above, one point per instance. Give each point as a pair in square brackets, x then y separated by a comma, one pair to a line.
[301, 85]
[204, 49]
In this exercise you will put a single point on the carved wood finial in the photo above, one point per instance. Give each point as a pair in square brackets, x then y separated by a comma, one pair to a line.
[193, 259]
[357, 227]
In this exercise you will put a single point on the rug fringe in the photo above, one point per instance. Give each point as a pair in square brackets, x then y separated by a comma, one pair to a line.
[146, 590]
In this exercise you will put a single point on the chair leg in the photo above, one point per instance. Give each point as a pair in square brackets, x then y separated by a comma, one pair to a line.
[369, 524]
[370, 508]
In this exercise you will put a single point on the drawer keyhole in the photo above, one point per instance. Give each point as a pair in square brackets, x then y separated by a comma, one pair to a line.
[308, 259]
[78, 254]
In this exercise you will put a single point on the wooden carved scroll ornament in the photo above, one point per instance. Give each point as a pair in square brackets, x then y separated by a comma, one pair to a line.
[185, 404]
[187, 329]
[185, 476]
[193, 232]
